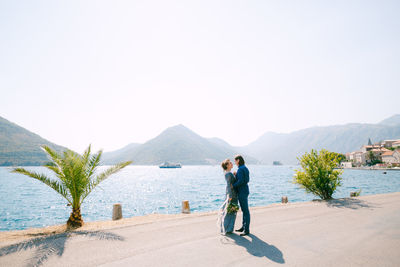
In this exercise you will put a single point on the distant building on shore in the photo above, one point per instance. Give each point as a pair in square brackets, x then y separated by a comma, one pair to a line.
[386, 152]
[391, 157]
[391, 143]
[346, 164]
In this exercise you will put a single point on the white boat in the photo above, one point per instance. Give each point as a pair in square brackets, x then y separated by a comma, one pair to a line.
[167, 165]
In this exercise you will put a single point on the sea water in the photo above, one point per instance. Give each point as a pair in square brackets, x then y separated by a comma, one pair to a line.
[26, 203]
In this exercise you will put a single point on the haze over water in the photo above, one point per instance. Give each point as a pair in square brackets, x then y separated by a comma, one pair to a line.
[144, 190]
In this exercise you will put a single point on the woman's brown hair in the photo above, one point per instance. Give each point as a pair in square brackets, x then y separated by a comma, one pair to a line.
[225, 164]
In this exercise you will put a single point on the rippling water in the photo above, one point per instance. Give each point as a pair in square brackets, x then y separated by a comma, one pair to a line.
[141, 190]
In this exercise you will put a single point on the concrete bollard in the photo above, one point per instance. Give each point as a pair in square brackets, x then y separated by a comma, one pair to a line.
[285, 199]
[117, 212]
[185, 206]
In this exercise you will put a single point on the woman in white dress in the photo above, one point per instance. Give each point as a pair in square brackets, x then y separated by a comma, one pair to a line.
[227, 215]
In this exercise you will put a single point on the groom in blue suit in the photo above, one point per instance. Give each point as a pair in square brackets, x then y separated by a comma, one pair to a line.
[242, 179]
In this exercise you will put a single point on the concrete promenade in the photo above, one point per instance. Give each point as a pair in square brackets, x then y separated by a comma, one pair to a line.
[362, 231]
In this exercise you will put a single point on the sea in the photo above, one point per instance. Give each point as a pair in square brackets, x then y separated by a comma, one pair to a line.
[141, 190]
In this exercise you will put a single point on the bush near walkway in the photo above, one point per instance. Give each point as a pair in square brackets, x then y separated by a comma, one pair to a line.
[319, 174]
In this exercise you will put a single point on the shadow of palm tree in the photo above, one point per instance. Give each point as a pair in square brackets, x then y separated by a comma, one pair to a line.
[258, 247]
[53, 245]
[349, 203]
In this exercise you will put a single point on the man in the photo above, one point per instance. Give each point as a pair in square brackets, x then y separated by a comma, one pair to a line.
[242, 179]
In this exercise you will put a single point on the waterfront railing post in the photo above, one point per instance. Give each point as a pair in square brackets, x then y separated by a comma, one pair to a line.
[185, 207]
[117, 212]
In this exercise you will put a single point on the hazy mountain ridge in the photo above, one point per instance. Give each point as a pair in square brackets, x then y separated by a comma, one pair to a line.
[339, 138]
[120, 154]
[177, 144]
[19, 146]
[393, 120]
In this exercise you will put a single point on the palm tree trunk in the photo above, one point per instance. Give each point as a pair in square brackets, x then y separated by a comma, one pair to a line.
[75, 220]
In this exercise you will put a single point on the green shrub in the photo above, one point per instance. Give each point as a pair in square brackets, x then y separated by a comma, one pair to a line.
[357, 193]
[319, 174]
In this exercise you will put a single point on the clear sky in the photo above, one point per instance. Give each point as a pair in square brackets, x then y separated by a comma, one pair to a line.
[115, 72]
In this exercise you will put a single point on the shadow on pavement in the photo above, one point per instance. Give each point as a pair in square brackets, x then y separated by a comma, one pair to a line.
[53, 245]
[349, 203]
[258, 247]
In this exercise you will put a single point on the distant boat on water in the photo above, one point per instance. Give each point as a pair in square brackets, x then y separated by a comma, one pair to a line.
[167, 165]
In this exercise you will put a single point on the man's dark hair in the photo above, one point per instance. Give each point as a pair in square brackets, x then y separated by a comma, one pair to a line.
[240, 158]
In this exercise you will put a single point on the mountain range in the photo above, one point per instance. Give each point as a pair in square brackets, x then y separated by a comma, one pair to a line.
[176, 144]
[19, 146]
[339, 138]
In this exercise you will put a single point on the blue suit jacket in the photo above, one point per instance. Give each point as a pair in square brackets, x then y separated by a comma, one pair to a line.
[242, 179]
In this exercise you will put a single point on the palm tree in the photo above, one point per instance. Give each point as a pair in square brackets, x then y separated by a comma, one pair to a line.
[77, 177]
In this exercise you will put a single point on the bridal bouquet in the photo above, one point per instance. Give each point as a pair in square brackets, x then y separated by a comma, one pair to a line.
[232, 208]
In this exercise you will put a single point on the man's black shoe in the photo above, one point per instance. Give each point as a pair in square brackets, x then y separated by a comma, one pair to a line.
[240, 230]
[245, 233]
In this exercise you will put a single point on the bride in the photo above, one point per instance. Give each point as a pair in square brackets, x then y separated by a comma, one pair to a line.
[228, 210]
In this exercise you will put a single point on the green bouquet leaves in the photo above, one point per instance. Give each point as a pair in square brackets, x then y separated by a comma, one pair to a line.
[232, 207]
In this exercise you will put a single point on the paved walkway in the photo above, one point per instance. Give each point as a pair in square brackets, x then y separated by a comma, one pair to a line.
[362, 231]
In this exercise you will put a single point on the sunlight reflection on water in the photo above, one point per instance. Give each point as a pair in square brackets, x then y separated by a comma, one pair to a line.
[143, 190]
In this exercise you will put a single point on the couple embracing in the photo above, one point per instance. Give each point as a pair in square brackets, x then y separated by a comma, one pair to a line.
[237, 190]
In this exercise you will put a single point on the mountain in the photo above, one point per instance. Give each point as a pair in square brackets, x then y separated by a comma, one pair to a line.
[19, 146]
[339, 138]
[394, 120]
[220, 142]
[175, 144]
[120, 154]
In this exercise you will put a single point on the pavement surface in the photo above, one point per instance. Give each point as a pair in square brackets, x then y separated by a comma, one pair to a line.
[362, 231]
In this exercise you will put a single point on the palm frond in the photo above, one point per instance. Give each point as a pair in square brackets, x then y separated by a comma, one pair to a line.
[104, 175]
[54, 169]
[55, 157]
[73, 170]
[57, 160]
[55, 185]
[93, 163]
[86, 156]
[86, 153]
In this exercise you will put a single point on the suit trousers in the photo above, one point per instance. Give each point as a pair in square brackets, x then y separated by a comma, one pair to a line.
[244, 206]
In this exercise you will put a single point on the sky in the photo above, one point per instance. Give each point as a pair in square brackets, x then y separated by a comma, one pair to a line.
[109, 73]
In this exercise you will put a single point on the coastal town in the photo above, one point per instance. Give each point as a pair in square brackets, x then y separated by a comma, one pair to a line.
[384, 154]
